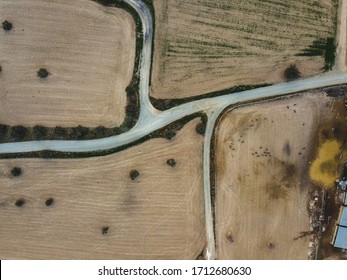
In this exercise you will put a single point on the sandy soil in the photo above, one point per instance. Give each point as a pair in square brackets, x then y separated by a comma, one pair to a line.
[89, 51]
[160, 215]
[262, 160]
[205, 46]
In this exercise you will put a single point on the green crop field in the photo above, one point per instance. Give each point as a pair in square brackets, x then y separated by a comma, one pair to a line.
[204, 45]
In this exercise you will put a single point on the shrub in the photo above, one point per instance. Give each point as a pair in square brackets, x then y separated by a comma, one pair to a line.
[171, 162]
[42, 73]
[3, 131]
[79, 132]
[100, 132]
[134, 174]
[201, 128]
[169, 134]
[292, 73]
[19, 132]
[20, 202]
[40, 132]
[59, 132]
[104, 230]
[49, 201]
[16, 171]
[6, 25]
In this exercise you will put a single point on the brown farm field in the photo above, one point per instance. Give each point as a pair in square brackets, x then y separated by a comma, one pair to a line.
[202, 46]
[262, 182]
[159, 215]
[89, 51]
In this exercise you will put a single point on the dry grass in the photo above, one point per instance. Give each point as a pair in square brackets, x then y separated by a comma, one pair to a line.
[160, 215]
[323, 169]
[89, 51]
[262, 161]
[203, 46]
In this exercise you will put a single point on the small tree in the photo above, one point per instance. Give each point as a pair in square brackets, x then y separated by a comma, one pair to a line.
[6, 25]
[171, 162]
[104, 230]
[59, 132]
[134, 174]
[292, 73]
[16, 171]
[3, 131]
[40, 132]
[201, 128]
[100, 132]
[79, 132]
[169, 134]
[49, 201]
[19, 132]
[42, 73]
[20, 202]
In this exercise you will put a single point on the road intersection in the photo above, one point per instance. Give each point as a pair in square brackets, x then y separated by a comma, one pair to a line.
[151, 119]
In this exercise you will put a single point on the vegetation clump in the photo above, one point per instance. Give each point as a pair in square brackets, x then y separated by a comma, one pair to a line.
[134, 174]
[201, 128]
[42, 73]
[6, 25]
[322, 47]
[3, 131]
[104, 230]
[20, 202]
[16, 171]
[40, 132]
[169, 134]
[79, 132]
[292, 73]
[59, 132]
[19, 132]
[49, 202]
[171, 162]
[100, 132]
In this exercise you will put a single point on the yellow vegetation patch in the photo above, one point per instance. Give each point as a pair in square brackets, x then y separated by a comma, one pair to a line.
[323, 169]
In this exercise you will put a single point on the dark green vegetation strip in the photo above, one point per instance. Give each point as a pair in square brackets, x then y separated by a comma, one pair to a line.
[167, 132]
[20, 133]
[325, 47]
[164, 104]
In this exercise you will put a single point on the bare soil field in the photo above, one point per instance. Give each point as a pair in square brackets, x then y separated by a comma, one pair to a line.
[89, 51]
[263, 155]
[203, 46]
[99, 212]
[329, 155]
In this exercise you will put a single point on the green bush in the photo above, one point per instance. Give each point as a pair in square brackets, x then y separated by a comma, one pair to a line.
[171, 162]
[169, 134]
[16, 171]
[40, 132]
[134, 174]
[79, 132]
[42, 73]
[19, 132]
[6, 25]
[60, 132]
[292, 73]
[3, 131]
